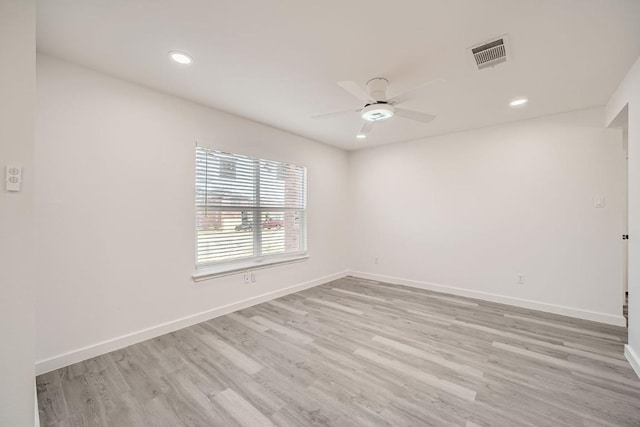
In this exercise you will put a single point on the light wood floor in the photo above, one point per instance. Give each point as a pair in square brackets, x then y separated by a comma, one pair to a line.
[356, 353]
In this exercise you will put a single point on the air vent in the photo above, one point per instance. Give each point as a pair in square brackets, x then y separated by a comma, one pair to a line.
[491, 53]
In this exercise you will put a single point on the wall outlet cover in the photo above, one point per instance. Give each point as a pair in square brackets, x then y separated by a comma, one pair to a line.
[13, 178]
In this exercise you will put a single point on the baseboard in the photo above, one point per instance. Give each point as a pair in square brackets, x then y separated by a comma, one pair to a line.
[633, 359]
[36, 416]
[66, 359]
[486, 296]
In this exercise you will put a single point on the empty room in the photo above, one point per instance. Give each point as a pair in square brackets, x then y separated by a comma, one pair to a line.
[339, 213]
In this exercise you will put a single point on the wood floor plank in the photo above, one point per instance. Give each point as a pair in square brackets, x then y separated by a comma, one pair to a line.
[411, 372]
[247, 322]
[358, 295]
[568, 365]
[241, 410]
[564, 327]
[358, 352]
[427, 356]
[289, 308]
[234, 355]
[283, 330]
[336, 306]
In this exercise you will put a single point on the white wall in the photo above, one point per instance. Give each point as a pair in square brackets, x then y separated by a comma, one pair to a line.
[473, 210]
[115, 215]
[17, 110]
[628, 94]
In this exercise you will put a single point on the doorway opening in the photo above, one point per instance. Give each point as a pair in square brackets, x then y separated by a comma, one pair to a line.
[622, 122]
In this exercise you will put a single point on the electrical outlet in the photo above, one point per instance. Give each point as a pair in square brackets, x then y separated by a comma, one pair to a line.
[13, 178]
[253, 276]
[520, 279]
[246, 277]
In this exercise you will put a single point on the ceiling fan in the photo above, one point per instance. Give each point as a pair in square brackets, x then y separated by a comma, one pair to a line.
[378, 107]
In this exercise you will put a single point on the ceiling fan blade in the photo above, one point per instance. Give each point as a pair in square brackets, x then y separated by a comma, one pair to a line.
[334, 114]
[366, 127]
[415, 92]
[356, 91]
[415, 115]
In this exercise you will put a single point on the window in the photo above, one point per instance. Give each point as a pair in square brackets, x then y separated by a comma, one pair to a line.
[249, 212]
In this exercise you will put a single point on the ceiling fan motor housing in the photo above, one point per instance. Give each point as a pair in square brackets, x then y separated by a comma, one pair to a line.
[378, 88]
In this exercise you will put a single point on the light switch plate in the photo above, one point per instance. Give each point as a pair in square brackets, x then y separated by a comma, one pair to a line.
[598, 202]
[13, 178]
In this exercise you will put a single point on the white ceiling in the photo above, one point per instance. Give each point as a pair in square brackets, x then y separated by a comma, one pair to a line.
[277, 61]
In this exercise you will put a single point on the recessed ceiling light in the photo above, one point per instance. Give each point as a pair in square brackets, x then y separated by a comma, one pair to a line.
[180, 58]
[518, 102]
[361, 136]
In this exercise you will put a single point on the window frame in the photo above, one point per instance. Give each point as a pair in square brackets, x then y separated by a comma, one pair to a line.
[234, 266]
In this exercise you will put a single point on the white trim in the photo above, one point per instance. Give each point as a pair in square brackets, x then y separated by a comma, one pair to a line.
[36, 416]
[633, 359]
[252, 264]
[518, 302]
[75, 356]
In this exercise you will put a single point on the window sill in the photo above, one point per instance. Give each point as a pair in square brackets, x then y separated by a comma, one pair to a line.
[229, 269]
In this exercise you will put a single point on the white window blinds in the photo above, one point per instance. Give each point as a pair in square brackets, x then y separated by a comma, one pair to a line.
[248, 210]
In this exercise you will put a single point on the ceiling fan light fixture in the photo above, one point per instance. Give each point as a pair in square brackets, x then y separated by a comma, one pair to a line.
[377, 112]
